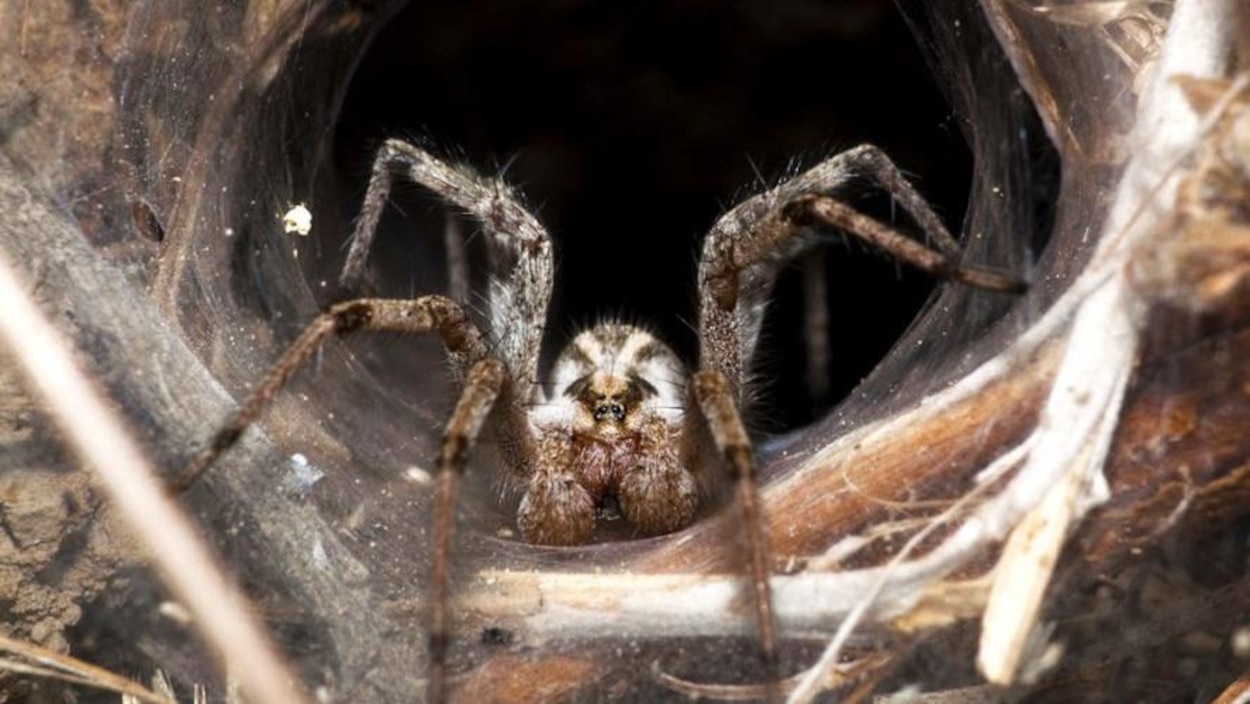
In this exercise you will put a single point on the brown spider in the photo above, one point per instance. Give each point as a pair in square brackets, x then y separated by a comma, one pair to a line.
[622, 419]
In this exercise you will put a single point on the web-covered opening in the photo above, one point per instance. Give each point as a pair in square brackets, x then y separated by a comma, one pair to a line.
[628, 145]
[209, 181]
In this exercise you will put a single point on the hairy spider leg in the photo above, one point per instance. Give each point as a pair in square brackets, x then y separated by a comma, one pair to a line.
[812, 210]
[716, 402]
[519, 248]
[519, 245]
[746, 248]
[432, 313]
[483, 381]
[742, 256]
[482, 386]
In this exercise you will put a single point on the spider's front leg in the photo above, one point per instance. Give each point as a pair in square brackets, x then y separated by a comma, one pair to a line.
[484, 381]
[711, 391]
[483, 384]
[497, 386]
[742, 256]
[418, 316]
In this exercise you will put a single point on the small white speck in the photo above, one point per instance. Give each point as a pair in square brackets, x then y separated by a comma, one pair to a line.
[298, 220]
[418, 476]
[319, 554]
[303, 475]
[229, 232]
[175, 612]
[1241, 642]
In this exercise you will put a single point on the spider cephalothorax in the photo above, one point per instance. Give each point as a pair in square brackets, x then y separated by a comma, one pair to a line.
[610, 431]
[622, 420]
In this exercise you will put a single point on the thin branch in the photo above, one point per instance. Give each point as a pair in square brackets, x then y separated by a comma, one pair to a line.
[105, 446]
[53, 665]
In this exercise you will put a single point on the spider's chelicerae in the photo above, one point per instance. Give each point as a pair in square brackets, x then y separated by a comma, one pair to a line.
[622, 419]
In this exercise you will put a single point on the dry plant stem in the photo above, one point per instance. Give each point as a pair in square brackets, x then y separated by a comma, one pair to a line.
[1064, 466]
[984, 694]
[106, 447]
[54, 665]
[1044, 100]
[482, 387]
[1020, 580]
[18, 667]
[1081, 414]
[552, 604]
[848, 673]
[810, 685]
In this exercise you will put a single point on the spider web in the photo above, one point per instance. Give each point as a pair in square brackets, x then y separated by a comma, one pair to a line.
[221, 118]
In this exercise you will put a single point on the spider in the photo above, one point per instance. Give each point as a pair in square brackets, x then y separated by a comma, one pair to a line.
[622, 420]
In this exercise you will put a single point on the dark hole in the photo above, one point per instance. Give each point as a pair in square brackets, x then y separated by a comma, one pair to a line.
[494, 635]
[631, 128]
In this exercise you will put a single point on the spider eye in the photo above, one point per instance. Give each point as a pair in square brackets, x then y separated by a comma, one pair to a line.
[612, 410]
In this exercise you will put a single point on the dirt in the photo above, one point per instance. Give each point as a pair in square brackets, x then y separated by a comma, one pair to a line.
[59, 547]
